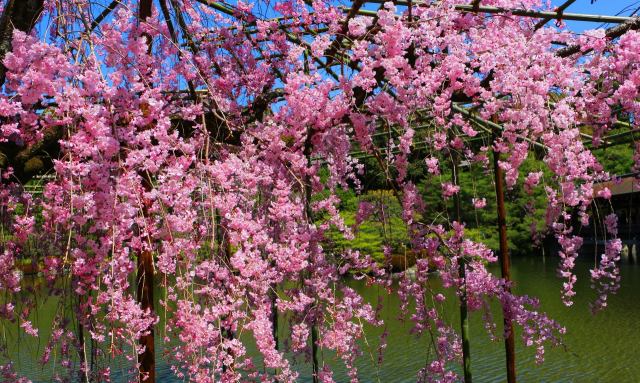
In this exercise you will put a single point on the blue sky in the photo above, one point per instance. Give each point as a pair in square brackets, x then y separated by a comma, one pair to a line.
[609, 7]
[600, 7]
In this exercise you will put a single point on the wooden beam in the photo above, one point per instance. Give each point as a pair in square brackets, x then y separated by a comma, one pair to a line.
[543, 14]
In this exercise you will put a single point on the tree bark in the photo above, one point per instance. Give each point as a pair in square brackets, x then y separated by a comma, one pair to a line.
[17, 14]
[21, 15]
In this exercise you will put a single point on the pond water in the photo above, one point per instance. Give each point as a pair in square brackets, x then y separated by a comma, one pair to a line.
[601, 348]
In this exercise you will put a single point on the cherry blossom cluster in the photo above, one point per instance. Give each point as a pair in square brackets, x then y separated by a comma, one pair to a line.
[223, 157]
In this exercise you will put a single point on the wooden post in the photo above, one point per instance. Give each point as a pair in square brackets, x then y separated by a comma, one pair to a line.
[505, 264]
[309, 214]
[145, 272]
[274, 317]
[314, 352]
[145, 297]
[464, 325]
[84, 373]
[274, 321]
[464, 312]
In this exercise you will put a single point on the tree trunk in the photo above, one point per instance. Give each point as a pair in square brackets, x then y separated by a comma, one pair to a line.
[18, 14]
[145, 263]
[21, 15]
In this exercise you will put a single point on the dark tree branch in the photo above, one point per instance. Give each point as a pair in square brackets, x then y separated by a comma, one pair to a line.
[337, 43]
[103, 15]
[611, 34]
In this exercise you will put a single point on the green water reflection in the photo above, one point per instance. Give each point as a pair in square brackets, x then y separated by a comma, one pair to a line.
[601, 348]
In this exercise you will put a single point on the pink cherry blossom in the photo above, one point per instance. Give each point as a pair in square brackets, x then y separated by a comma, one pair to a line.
[221, 146]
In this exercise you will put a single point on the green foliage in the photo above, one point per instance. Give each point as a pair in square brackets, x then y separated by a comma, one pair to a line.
[384, 226]
[524, 211]
[617, 159]
[481, 224]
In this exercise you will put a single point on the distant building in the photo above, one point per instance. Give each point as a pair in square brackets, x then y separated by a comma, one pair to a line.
[625, 202]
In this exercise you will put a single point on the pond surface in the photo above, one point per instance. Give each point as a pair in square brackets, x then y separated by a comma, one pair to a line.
[601, 348]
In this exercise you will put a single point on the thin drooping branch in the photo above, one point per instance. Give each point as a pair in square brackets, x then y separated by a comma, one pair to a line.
[184, 28]
[174, 40]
